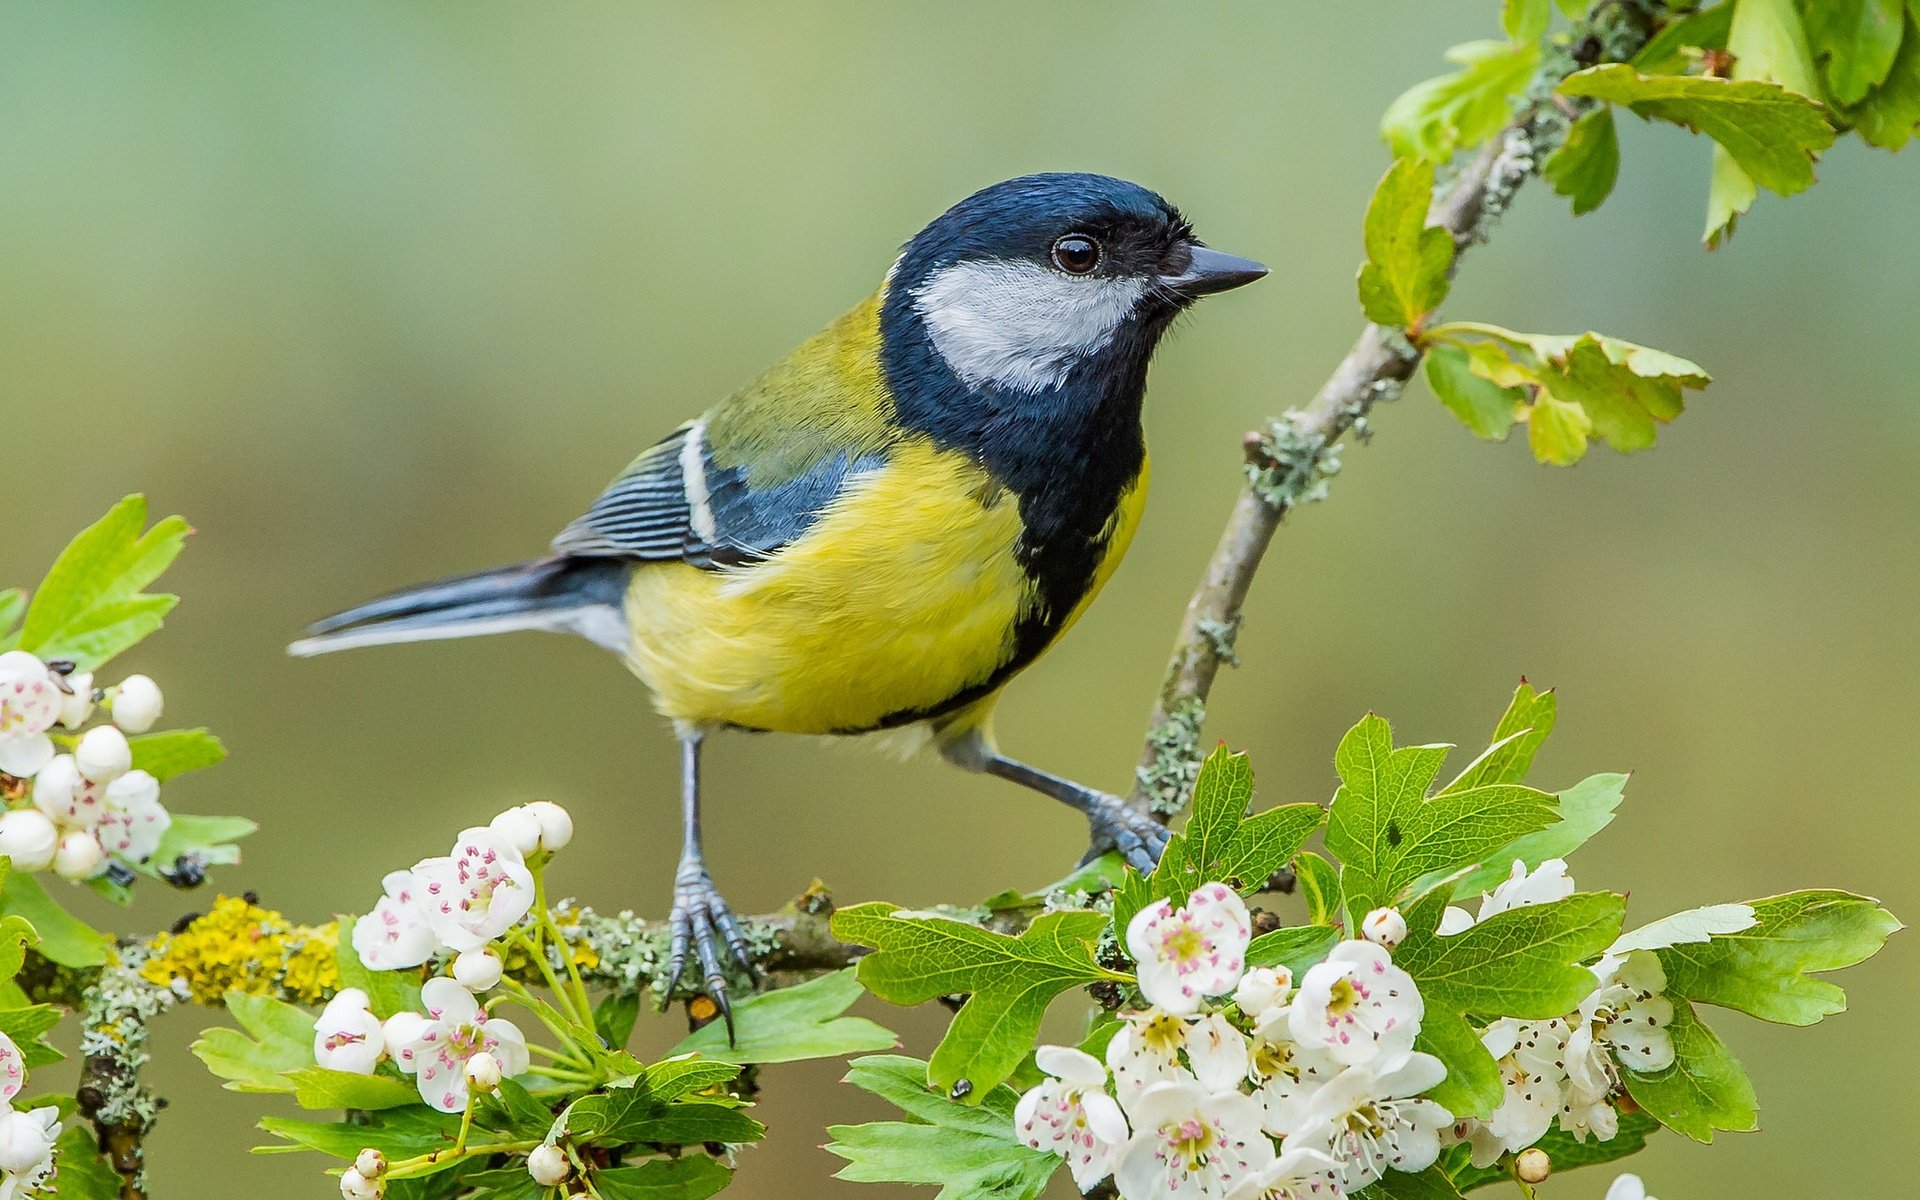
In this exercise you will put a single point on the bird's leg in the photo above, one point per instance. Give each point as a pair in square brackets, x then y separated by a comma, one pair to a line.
[1138, 837]
[700, 917]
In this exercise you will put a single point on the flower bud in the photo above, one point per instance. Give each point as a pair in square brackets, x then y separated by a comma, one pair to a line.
[548, 1165]
[483, 1073]
[556, 826]
[78, 856]
[103, 754]
[355, 1186]
[135, 789]
[137, 704]
[1261, 989]
[477, 970]
[520, 829]
[371, 1164]
[77, 706]
[1533, 1166]
[55, 785]
[25, 1140]
[1384, 927]
[29, 839]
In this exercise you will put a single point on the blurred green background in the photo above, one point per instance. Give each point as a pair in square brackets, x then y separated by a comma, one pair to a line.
[376, 292]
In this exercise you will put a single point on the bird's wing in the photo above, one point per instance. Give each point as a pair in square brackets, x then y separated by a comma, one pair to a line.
[755, 472]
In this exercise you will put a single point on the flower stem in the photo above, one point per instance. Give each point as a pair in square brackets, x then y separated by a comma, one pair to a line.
[466, 1124]
[422, 1164]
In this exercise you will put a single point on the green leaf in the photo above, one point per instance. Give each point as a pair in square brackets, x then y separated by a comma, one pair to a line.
[1568, 1154]
[90, 606]
[210, 839]
[1437, 119]
[318, 1087]
[1693, 925]
[1771, 132]
[1767, 970]
[1586, 166]
[614, 1017]
[13, 603]
[803, 1021]
[1319, 886]
[1523, 963]
[388, 992]
[1890, 114]
[1666, 52]
[1405, 275]
[175, 752]
[1585, 809]
[398, 1133]
[1522, 729]
[1704, 1090]
[1856, 41]
[1484, 407]
[1387, 834]
[1473, 1086]
[513, 1112]
[689, 1177]
[64, 938]
[1557, 430]
[1295, 948]
[85, 1173]
[16, 936]
[971, 1152]
[1430, 1184]
[688, 1124]
[1524, 20]
[1009, 981]
[684, 1075]
[1768, 41]
[28, 1025]
[278, 1037]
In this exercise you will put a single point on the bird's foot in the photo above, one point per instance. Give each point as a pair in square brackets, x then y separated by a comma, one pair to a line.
[701, 919]
[1138, 837]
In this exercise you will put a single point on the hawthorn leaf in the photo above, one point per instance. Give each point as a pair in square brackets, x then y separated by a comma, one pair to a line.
[1557, 430]
[1430, 1184]
[969, 1150]
[210, 840]
[64, 938]
[175, 752]
[1685, 928]
[320, 1088]
[1585, 809]
[1768, 41]
[1666, 52]
[1008, 981]
[1704, 1091]
[85, 1173]
[1523, 963]
[397, 1133]
[1767, 970]
[1436, 119]
[274, 1037]
[792, 1023]
[1294, 948]
[689, 1177]
[1405, 275]
[91, 605]
[1856, 41]
[1522, 729]
[1473, 1086]
[1524, 20]
[1890, 114]
[1484, 407]
[1319, 882]
[1586, 166]
[1388, 834]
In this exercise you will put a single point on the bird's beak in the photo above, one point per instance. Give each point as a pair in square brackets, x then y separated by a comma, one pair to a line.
[1209, 271]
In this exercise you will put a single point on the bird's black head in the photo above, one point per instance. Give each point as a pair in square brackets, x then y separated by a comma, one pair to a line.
[1026, 284]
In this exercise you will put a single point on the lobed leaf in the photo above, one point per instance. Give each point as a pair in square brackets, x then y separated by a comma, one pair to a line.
[64, 938]
[1585, 809]
[1586, 166]
[1523, 963]
[689, 1177]
[277, 1038]
[1473, 1086]
[1767, 970]
[969, 1150]
[1704, 1091]
[320, 1088]
[1436, 119]
[1484, 407]
[1405, 275]
[91, 605]
[176, 752]
[1890, 114]
[791, 1023]
[1856, 42]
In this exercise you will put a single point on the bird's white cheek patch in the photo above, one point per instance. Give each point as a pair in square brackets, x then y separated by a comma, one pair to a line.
[1020, 325]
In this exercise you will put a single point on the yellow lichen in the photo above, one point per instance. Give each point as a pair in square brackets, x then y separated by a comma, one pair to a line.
[241, 947]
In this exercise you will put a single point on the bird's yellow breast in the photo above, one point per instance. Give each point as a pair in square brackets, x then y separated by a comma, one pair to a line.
[905, 594]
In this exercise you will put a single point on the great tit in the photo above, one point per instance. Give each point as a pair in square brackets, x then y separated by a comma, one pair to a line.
[883, 529]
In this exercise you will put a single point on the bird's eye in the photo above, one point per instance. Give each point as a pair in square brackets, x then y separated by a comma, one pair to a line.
[1076, 254]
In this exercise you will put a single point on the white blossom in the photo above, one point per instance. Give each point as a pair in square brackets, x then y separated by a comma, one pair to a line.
[1384, 927]
[356, 1186]
[1217, 1053]
[30, 703]
[1285, 1074]
[67, 798]
[1263, 990]
[1145, 1050]
[478, 970]
[1295, 1175]
[556, 824]
[396, 933]
[137, 704]
[26, 1144]
[1532, 1087]
[132, 820]
[13, 1070]
[1187, 954]
[452, 1030]
[1071, 1114]
[1625, 1015]
[519, 827]
[76, 703]
[1357, 1006]
[1628, 1187]
[1546, 882]
[477, 893]
[1192, 1144]
[78, 856]
[347, 1036]
[28, 838]
[548, 1165]
[1370, 1120]
[102, 754]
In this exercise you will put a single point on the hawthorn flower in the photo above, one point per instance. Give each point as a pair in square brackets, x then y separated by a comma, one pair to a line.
[13, 1070]
[103, 754]
[1628, 1187]
[1533, 1085]
[1546, 882]
[76, 704]
[1071, 1115]
[26, 1144]
[137, 704]
[396, 933]
[1357, 1006]
[556, 824]
[132, 820]
[1384, 927]
[436, 1045]
[1263, 990]
[1145, 1050]
[1370, 1120]
[355, 1185]
[1186, 954]
[1217, 1053]
[29, 839]
[1192, 1144]
[68, 798]
[1625, 1014]
[1295, 1175]
[477, 893]
[478, 970]
[30, 703]
[1285, 1074]
[347, 1036]
[548, 1165]
[78, 856]
[483, 1073]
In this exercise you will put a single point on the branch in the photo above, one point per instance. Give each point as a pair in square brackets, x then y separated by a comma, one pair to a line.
[1291, 462]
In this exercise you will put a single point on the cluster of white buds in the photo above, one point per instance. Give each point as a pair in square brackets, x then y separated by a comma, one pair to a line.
[90, 807]
[1235, 1084]
[26, 1136]
[366, 1179]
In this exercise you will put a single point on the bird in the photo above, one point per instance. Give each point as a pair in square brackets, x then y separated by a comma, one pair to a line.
[879, 532]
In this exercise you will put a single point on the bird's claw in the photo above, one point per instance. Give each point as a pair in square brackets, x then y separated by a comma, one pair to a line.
[700, 920]
[1139, 838]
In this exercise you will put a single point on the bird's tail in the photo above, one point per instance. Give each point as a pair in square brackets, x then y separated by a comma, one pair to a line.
[561, 595]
